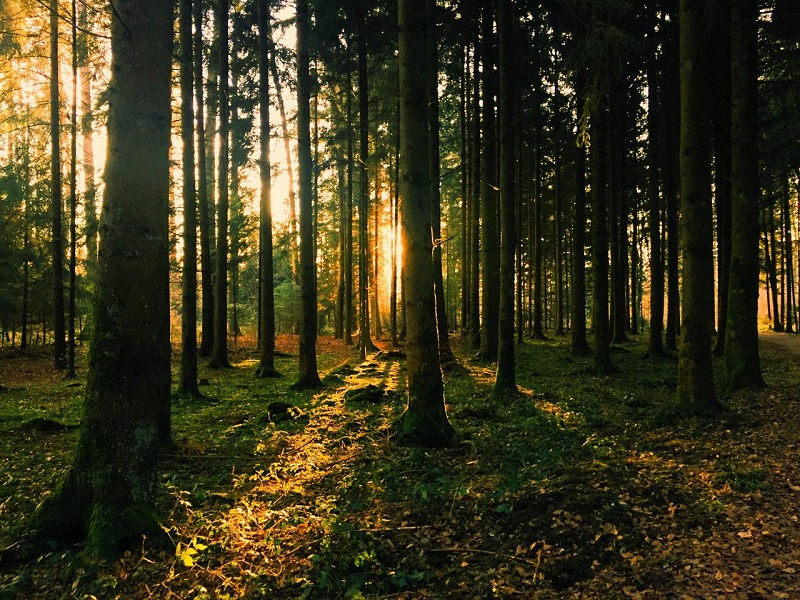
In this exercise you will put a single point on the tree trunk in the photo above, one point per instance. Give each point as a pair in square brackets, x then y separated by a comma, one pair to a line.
[742, 361]
[443, 329]
[219, 350]
[655, 340]
[59, 326]
[505, 378]
[73, 196]
[266, 367]
[87, 126]
[365, 340]
[600, 321]
[490, 237]
[203, 200]
[424, 421]
[536, 246]
[579, 343]
[671, 101]
[107, 496]
[475, 210]
[696, 392]
[721, 90]
[188, 385]
[307, 376]
[787, 250]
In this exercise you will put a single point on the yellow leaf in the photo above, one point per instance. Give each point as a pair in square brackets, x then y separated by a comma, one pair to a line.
[745, 534]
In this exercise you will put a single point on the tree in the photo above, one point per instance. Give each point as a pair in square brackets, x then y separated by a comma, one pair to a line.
[107, 496]
[308, 376]
[742, 362]
[266, 368]
[600, 321]
[505, 379]
[188, 385]
[579, 343]
[219, 350]
[655, 343]
[424, 421]
[696, 392]
[59, 326]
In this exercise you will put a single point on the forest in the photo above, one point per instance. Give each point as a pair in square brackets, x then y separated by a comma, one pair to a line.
[408, 299]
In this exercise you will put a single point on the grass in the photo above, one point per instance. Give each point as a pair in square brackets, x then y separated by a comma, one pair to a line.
[573, 484]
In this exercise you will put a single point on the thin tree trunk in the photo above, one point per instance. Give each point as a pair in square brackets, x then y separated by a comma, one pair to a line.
[490, 238]
[59, 326]
[655, 340]
[188, 385]
[505, 378]
[475, 210]
[203, 199]
[73, 196]
[579, 343]
[787, 251]
[307, 364]
[87, 126]
[348, 207]
[443, 329]
[219, 351]
[266, 367]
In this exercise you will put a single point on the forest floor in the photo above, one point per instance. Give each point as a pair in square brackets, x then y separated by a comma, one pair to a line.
[578, 487]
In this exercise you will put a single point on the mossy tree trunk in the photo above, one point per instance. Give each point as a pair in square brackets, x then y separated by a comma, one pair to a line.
[188, 385]
[307, 376]
[742, 362]
[107, 496]
[505, 378]
[696, 392]
[424, 421]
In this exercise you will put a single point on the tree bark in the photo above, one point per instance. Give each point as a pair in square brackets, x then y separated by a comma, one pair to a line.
[204, 204]
[696, 392]
[59, 326]
[107, 496]
[442, 326]
[505, 378]
[579, 343]
[424, 421]
[600, 320]
[219, 350]
[742, 361]
[266, 367]
[655, 339]
[188, 385]
[307, 364]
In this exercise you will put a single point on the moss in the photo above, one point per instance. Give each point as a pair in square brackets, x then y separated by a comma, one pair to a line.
[422, 429]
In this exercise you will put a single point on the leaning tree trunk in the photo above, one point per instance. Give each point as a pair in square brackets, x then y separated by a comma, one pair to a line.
[307, 376]
[188, 385]
[107, 497]
[742, 362]
[424, 421]
[695, 373]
